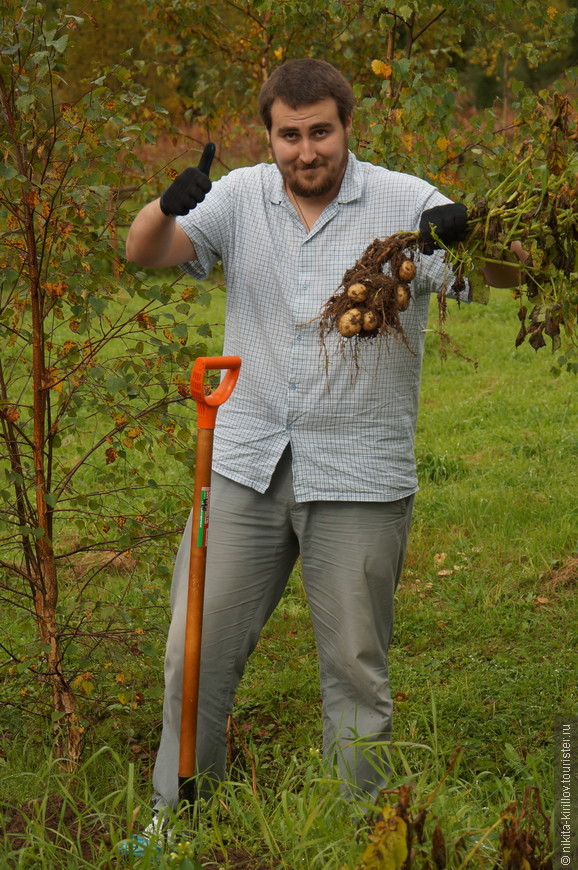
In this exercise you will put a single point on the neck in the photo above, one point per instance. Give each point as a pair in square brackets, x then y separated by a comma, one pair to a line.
[308, 207]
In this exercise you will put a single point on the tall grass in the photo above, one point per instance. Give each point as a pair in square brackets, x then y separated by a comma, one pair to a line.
[483, 656]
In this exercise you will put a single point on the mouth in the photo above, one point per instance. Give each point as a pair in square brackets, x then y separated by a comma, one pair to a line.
[311, 167]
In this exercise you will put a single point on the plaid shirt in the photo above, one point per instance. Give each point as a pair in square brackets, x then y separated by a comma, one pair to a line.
[351, 425]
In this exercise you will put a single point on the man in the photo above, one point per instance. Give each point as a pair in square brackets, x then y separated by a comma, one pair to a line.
[308, 460]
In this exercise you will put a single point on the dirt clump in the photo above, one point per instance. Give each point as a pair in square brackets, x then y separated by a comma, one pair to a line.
[369, 300]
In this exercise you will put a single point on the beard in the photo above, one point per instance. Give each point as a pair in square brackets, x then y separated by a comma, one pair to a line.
[326, 176]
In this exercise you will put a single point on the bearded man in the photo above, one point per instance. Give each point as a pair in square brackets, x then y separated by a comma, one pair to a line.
[307, 461]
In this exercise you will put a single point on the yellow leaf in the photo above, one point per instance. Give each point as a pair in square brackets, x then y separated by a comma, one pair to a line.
[87, 687]
[387, 849]
[407, 140]
[552, 12]
[55, 289]
[382, 69]
[556, 158]
[443, 143]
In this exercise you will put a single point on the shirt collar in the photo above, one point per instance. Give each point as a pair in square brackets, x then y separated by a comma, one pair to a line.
[350, 190]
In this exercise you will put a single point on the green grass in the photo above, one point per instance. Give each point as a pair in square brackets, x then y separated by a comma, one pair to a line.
[483, 656]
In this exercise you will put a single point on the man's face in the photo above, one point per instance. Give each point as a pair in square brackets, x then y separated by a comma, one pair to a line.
[309, 145]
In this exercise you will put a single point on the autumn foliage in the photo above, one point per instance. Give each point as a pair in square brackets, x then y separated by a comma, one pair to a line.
[95, 356]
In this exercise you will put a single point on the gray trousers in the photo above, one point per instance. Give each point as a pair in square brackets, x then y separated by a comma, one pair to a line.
[351, 559]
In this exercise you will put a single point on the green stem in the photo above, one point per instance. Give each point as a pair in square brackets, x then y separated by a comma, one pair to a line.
[516, 171]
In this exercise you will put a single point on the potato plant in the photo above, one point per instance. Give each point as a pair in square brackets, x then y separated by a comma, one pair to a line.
[536, 204]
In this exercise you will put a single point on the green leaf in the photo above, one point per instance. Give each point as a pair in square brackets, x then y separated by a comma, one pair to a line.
[58, 44]
[512, 755]
[115, 384]
[98, 304]
[404, 12]
[479, 290]
[25, 102]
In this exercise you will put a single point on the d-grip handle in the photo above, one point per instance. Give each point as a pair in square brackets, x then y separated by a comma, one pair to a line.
[207, 406]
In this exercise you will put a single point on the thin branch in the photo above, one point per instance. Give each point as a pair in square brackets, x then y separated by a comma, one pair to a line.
[118, 428]
[428, 25]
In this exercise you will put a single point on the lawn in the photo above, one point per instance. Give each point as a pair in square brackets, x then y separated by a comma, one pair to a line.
[483, 657]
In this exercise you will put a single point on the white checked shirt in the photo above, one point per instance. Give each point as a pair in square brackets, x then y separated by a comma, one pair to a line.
[351, 428]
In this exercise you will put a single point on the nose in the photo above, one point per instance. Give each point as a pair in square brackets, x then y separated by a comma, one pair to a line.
[307, 153]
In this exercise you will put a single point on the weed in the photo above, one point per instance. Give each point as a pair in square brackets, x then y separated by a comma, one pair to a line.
[482, 657]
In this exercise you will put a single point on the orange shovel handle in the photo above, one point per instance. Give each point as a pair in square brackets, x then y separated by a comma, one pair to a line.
[207, 405]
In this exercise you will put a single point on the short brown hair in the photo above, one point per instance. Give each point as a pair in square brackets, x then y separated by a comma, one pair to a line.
[303, 82]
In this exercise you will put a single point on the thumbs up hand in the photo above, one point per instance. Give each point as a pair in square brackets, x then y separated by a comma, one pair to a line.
[190, 187]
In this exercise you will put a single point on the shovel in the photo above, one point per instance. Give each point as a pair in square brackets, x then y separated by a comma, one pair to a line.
[207, 407]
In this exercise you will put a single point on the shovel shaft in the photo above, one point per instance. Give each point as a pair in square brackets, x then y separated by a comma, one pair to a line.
[207, 406]
[195, 598]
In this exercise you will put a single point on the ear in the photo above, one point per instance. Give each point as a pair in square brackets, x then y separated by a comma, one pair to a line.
[349, 126]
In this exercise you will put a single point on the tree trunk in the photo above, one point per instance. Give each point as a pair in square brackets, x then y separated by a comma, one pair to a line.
[44, 577]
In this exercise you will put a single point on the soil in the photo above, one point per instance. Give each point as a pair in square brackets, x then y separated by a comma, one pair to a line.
[564, 575]
[238, 859]
[60, 824]
[383, 299]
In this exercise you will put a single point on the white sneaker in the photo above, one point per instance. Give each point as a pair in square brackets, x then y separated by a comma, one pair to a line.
[155, 837]
[158, 830]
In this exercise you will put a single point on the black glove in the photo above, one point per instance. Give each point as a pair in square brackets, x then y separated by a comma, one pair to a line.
[189, 188]
[449, 222]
